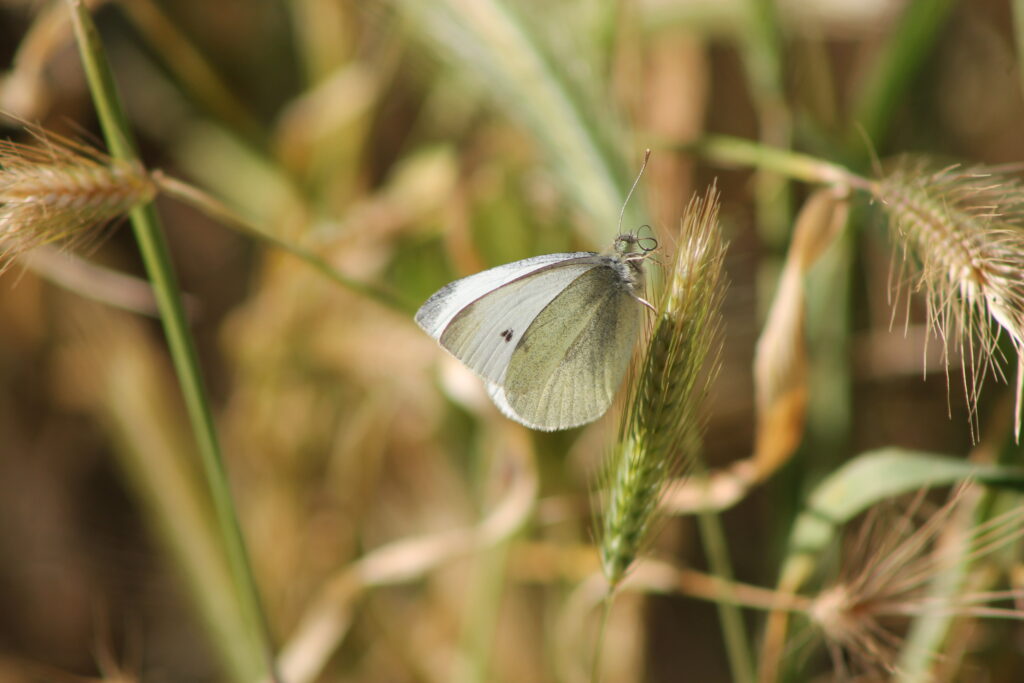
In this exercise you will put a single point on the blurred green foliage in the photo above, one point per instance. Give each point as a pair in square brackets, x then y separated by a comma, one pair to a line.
[393, 517]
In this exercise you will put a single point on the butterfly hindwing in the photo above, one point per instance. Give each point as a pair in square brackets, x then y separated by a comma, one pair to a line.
[568, 365]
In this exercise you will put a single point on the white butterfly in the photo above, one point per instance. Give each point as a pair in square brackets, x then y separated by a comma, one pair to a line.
[551, 335]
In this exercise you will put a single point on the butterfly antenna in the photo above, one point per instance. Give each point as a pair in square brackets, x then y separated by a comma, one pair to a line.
[647, 155]
[876, 163]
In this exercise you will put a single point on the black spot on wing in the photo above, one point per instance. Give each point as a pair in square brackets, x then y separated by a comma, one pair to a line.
[507, 335]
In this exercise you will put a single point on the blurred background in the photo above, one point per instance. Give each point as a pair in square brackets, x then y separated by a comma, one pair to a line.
[409, 143]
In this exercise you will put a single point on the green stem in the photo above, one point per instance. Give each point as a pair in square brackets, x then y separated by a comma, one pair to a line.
[763, 60]
[741, 660]
[899, 62]
[728, 150]
[214, 208]
[495, 41]
[155, 255]
[1018, 34]
[606, 608]
[190, 69]
[484, 611]
[928, 634]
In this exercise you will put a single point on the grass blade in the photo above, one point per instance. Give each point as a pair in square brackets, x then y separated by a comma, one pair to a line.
[153, 247]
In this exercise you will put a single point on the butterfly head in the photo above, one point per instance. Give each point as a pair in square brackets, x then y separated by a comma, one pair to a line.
[632, 247]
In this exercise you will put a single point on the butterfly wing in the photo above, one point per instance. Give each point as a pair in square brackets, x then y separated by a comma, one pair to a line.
[435, 314]
[567, 367]
[481, 318]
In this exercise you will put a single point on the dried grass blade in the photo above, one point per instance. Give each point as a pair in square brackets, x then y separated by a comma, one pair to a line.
[780, 361]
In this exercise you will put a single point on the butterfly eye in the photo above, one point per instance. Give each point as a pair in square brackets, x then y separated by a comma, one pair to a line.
[623, 243]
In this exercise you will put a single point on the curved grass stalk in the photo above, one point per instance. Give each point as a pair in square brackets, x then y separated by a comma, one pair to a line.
[733, 151]
[902, 55]
[325, 624]
[216, 209]
[764, 62]
[92, 281]
[506, 53]
[153, 247]
[190, 67]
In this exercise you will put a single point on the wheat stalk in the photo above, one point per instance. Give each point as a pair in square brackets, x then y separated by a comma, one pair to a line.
[661, 432]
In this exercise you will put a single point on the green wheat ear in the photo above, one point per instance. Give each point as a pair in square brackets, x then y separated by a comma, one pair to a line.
[962, 229]
[661, 431]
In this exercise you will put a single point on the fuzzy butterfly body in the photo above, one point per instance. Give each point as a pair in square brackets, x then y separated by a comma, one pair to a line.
[552, 336]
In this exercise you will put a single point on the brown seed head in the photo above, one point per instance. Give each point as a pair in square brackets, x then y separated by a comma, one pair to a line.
[962, 230]
[60, 190]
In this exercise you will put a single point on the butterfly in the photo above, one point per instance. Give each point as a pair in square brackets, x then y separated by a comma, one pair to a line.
[552, 336]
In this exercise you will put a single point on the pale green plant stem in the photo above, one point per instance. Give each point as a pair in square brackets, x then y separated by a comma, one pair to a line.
[483, 613]
[1018, 34]
[828, 316]
[190, 68]
[495, 42]
[763, 60]
[829, 327]
[862, 482]
[602, 629]
[925, 640]
[923, 644]
[900, 59]
[486, 587]
[737, 645]
[729, 150]
[172, 187]
[891, 77]
[155, 255]
[139, 406]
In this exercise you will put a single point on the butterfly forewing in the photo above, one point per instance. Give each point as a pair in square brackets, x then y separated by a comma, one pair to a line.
[435, 314]
[567, 367]
[486, 331]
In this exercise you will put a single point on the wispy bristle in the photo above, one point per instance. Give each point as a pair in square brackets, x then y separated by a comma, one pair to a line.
[887, 574]
[60, 190]
[661, 429]
[964, 228]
